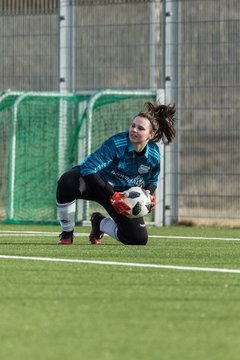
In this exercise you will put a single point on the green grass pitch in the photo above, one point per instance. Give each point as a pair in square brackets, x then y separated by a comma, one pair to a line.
[87, 311]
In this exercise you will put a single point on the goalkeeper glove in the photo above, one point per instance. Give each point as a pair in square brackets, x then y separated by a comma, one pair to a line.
[119, 204]
[153, 201]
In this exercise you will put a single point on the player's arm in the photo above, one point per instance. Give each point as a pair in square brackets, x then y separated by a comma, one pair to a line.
[151, 188]
[89, 170]
[99, 159]
[95, 162]
[116, 199]
[96, 184]
[152, 185]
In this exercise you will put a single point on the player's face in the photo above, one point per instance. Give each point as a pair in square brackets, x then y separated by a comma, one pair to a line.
[140, 131]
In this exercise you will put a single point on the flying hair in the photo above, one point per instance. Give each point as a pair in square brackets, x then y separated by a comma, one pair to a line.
[162, 119]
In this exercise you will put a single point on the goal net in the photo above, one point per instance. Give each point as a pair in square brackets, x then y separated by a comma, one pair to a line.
[44, 134]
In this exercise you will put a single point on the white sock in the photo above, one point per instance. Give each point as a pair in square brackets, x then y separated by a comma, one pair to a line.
[66, 215]
[108, 226]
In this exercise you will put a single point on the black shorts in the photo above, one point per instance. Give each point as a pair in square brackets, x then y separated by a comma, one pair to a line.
[71, 186]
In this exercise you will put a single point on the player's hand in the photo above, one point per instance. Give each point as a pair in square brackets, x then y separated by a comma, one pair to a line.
[153, 201]
[117, 201]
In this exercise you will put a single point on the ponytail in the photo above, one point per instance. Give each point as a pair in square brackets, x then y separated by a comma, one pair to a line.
[162, 119]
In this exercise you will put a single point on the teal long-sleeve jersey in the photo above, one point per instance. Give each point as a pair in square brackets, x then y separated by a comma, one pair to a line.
[117, 163]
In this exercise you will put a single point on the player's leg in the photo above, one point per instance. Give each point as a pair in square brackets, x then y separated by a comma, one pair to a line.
[69, 188]
[128, 231]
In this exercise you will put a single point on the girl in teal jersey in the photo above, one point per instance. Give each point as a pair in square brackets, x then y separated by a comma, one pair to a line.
[124, 160]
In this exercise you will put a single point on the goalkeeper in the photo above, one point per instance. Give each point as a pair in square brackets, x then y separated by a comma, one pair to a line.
[124, 160]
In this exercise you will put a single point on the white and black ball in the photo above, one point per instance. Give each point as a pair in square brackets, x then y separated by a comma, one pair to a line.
[139, 200]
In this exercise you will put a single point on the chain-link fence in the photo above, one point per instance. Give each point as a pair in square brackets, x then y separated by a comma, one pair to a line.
[208, 106]
[98, 44]
[188, 47]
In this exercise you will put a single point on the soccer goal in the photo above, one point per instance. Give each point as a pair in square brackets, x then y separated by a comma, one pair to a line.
[44, 134]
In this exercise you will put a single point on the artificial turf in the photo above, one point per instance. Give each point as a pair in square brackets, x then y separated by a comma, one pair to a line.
[63, 310]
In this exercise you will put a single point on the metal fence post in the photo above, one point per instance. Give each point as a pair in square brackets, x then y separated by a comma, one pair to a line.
[171, 85]
[66, 56]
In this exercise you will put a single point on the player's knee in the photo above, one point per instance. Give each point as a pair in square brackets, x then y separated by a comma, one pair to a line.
[143, 240]
[141, 237]
[138, 239]
[65, 188]
[64, 181]
[61, 188]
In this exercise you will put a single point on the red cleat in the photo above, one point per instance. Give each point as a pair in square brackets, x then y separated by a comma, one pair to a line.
[66, 238]
[96, 234]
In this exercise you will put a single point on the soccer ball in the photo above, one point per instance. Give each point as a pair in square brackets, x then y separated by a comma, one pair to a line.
[139, 200]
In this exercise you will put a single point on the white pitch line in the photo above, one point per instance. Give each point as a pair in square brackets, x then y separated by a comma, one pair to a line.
[37, 234]
[6, 233]
[194, 238]
[115, 263]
